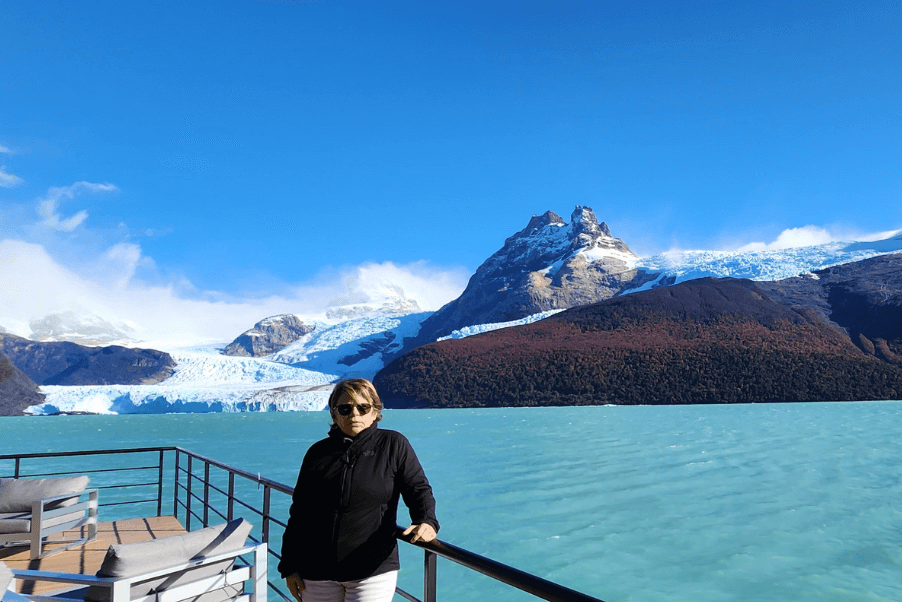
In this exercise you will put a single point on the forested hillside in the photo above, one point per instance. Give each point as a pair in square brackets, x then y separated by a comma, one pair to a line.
[703, 341]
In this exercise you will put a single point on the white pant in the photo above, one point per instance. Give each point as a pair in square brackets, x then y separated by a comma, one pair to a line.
[378, 588]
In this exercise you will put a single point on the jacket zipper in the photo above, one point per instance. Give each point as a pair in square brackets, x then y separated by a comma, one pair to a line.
[345, 501]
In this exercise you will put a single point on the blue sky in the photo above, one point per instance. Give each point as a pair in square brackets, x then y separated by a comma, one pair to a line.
[237, 150]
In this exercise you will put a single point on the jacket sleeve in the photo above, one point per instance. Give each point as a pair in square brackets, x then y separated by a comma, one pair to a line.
[415, 488]
[294, 531]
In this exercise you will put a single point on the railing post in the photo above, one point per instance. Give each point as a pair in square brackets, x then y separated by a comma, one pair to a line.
[206, 494]
[160, 487]
[175, 486]
[430, 565]
[188, 497]
[231, 509]
[16, 469]
[266, 492]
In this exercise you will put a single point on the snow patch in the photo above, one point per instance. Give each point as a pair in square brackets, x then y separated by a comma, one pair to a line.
[469, 331]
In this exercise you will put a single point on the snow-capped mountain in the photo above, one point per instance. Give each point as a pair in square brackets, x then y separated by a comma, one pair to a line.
[84, 329]
[548, 265]
[386, 299]
[835, 334]
[391, 301]
[552, 263]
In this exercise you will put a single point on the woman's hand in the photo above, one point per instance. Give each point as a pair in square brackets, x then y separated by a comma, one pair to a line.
[295, 585]
[422, 532]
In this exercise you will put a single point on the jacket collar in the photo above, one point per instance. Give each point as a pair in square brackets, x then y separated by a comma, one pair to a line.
[337, 435]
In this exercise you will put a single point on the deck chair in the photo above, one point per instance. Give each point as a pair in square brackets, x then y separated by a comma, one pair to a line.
[32, 509]
[198, 566]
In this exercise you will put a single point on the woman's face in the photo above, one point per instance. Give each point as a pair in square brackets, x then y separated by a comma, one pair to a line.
[353, 424]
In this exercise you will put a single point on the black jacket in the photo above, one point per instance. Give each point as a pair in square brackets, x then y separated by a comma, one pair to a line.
[341, 526]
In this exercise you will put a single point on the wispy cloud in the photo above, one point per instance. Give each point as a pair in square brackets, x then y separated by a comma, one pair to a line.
[48, 207]
[791, 238]
[429, 286]
[5, 150]
[807, 236]
[121, 262]
[8, 180]
[879, 236]
[175, 313]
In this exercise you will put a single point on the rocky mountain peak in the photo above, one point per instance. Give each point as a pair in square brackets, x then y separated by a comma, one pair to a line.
[268, 336]
[583, 221]
[538, 222]
[548, 265]
[548, 240]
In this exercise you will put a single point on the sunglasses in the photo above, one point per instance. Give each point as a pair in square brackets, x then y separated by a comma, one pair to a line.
[346, 409]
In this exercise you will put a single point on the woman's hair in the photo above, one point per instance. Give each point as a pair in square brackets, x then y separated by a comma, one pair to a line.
[360, 390]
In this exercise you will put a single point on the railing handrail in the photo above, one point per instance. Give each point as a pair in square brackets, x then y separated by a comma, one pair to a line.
[527, 582]
[499, 571]
[90, 452]
[256, 477]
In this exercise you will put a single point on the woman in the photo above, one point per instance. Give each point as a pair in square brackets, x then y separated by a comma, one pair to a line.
[340, 544]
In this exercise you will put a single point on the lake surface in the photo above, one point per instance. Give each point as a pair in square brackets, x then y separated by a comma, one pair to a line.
[764, 502]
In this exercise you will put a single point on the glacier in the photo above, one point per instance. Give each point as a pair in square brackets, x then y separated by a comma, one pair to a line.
[774, 264]
[203, 381]
[300, 377]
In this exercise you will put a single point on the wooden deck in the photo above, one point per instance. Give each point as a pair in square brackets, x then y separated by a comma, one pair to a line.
[86, 559]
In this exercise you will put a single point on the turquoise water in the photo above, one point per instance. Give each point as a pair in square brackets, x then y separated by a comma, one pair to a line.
[763, 502]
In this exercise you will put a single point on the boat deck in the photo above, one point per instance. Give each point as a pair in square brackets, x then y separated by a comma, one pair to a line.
[86, 559]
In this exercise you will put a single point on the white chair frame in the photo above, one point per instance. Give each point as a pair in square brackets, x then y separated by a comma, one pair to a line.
[40, 515]
[120, 588]
[11, 596]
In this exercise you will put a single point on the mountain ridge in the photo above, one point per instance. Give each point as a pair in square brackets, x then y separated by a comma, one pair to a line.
[366, 329]
[863, 298]
[65, 363]
[701, 341]
[17, 391]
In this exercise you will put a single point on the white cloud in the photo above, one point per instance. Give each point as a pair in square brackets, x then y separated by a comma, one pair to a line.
[430, 287]
[5, 150]
[47, 207]
[36, 285]
[121, 261]
[879, 236]
[807, 236]
[8, 180]
[791, 238]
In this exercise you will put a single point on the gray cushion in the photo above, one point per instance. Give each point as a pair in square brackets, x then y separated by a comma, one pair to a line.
[16, 495]
[6, 577]
[131, 559]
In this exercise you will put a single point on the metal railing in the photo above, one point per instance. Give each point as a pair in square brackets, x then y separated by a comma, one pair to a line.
[204, 489]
